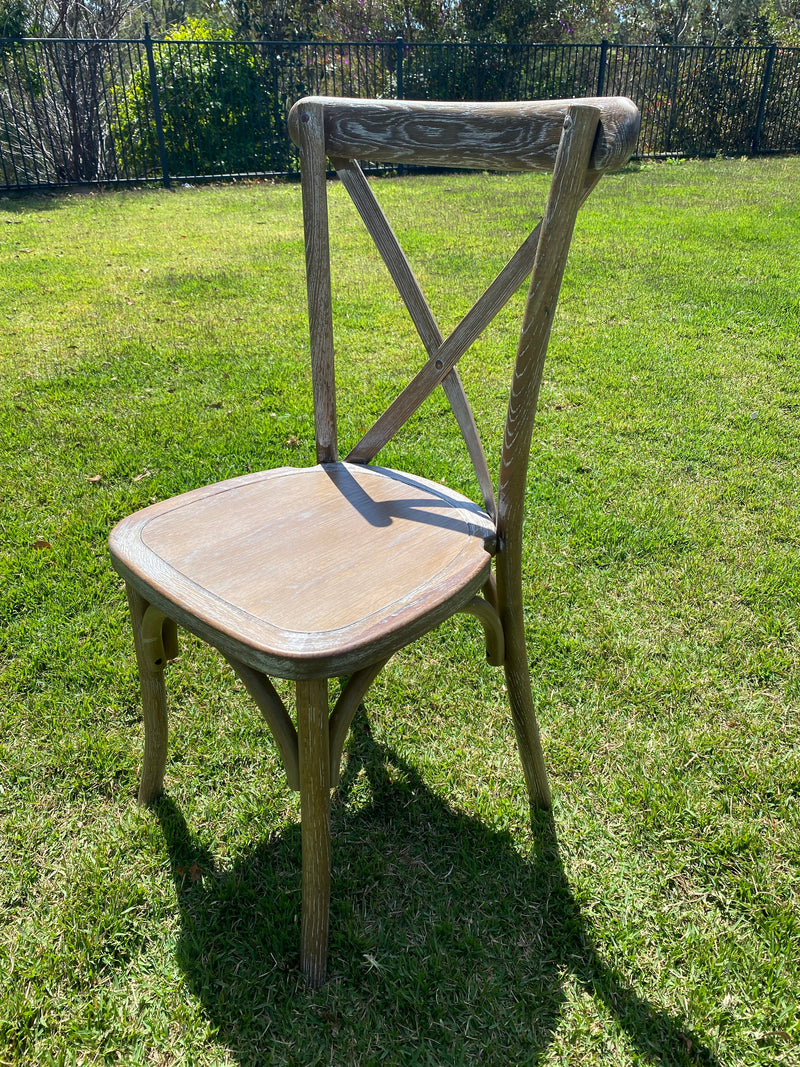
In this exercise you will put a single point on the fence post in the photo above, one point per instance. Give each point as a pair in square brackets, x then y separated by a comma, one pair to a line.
[762, 103]
[601, 74]
[151, 66]
[400, 48]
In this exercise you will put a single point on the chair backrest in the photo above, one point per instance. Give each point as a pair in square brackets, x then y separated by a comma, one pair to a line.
[578, 140]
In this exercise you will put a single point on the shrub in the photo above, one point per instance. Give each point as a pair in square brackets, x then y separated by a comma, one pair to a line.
[222, 108]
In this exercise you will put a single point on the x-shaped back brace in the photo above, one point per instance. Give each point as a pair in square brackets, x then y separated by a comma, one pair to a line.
[442, 354]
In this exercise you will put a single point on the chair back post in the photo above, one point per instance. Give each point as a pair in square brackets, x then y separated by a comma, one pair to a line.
[571, 184]
[310, 137]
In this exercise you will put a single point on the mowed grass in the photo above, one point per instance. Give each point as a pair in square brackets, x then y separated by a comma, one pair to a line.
[152, 341]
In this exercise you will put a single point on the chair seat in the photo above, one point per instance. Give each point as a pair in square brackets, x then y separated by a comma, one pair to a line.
[308, 572]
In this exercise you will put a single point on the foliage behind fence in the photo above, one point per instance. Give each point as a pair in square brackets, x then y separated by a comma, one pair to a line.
[76, 112]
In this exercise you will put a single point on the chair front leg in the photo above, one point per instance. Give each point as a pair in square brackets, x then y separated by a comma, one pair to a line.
[315, 815]
[148, 636]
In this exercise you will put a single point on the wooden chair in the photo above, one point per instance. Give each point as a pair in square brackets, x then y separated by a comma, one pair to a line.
[322, 572]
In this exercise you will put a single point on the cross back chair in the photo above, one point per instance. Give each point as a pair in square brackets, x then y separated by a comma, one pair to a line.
[327, 571]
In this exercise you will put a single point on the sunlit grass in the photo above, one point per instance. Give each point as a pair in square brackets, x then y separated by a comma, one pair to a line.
[153, 341]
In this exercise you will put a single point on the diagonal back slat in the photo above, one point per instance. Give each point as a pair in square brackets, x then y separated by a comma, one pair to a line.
[352, 177]
[465, 417]
[381, 232]
[443, 361]
[495, 297]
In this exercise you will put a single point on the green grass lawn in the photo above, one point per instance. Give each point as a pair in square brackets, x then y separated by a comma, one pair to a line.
[152, 341]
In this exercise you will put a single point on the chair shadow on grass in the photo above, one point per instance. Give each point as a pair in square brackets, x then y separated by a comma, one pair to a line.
[447, 946]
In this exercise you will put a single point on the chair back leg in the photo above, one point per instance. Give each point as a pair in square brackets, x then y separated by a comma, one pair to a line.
[518, 684]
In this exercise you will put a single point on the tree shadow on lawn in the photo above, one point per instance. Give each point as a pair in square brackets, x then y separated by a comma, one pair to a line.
[446, 945]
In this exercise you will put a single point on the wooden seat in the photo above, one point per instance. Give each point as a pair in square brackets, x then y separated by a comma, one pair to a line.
[327, 571]
[257, 566]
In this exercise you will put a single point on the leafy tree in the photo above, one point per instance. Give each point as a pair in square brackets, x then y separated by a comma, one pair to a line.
[510, 21]
[585, 21]
[426, 20]
[358, 20]
[15, 19]
[783, 17]
[162, 16]
[58, 84]
[276, 20]
[692, 22]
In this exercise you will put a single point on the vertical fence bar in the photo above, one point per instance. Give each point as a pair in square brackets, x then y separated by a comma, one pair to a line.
[601, 74]
[151, 66]
[672, 91]
[782, 119]
[23, 125]
[762, 102]
[398, 76]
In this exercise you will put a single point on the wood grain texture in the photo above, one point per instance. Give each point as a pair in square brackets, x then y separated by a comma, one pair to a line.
[487, 616]
[567, 192]
[159, 638]
[344, 710]
[315, 820]
[485, 136]
[327, 571]
[311, 572]
[496, 296]
[318, 280]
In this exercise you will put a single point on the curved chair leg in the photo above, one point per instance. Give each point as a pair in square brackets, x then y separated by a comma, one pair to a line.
[518, 683]
[154, 700]
[315, 816]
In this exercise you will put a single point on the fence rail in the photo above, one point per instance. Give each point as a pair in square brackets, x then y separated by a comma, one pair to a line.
[77, 112]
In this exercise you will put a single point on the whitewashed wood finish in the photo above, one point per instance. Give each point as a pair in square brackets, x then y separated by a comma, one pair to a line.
[483, 136]
[159, 638]
[315, 818]
[309, 572]
[310, 141]
[567, 193]
[344, 710]
[489, 592]
[327, 571]
[449, 352]
[487, 616]
[442, 362]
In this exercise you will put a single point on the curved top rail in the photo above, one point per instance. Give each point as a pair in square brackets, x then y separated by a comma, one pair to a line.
[484, 136]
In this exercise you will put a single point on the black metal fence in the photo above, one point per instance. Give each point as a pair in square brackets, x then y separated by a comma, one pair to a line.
[78, 112]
